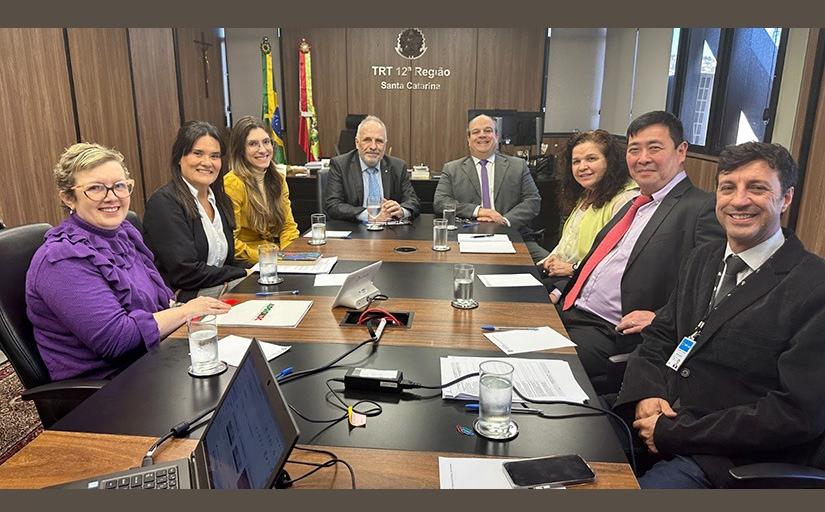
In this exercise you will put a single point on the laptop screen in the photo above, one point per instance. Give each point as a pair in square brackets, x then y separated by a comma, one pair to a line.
[245, 443]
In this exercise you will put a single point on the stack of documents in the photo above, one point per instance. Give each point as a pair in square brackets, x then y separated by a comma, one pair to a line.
[517, 341]
[266, 313]
[486, 244]
[538, 379]
[508, 280]
[331, 234]
[321, 266]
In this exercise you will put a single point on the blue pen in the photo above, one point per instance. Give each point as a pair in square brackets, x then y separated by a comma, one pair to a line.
[498, 328]
[285, 292]
[469, 224]
[283, 373]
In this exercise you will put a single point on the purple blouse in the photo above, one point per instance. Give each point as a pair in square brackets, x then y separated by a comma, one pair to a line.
[90, 294]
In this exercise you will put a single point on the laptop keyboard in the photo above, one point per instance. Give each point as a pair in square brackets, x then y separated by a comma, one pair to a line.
[166, 478]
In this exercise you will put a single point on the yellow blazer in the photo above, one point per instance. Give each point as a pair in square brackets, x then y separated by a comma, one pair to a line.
[247, 239]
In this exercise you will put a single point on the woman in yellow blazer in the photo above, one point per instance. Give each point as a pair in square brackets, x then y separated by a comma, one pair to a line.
[595, 185]
[259, 193]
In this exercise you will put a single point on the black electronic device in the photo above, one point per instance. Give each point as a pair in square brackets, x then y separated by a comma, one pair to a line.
[374, 380]
[543, 472]
[245, 445]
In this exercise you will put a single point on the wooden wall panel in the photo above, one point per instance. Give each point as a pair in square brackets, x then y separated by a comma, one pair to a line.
[196, 104]
[36, 102]
[510, 64]
[156, 99]
[103, 89]
[701, 170]
[329, 86]
[438, 123]
[367, 47]
[812, 207]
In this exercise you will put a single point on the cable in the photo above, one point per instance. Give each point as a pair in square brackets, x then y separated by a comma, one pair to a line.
[179, 430]
[318, 466]
[408, 384]
[304, 373]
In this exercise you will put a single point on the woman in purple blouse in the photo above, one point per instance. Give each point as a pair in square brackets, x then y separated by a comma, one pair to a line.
[93, 294]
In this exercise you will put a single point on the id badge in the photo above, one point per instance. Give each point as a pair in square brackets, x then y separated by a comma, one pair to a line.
[681, 352]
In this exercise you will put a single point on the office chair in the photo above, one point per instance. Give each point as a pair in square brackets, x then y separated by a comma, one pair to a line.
[321, 187]
[346, 139]
[52, 399]
[133, 218]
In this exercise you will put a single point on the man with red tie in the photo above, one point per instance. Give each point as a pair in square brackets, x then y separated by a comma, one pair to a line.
[634, 262]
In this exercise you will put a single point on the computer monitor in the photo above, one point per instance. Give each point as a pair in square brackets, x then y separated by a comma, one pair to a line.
[514, 128]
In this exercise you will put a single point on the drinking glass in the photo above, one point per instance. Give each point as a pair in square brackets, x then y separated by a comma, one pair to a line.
[463, 276]
[268, 264]
[449, 214]
[373, 211]
[203, 346]
[319, 229]
[440, 235]
[495, 395]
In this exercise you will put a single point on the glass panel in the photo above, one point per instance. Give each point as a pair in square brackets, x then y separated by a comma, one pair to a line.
[671, 75]
[694, 111]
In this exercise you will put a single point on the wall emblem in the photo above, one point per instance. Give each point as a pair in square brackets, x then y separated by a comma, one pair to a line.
[411, 44]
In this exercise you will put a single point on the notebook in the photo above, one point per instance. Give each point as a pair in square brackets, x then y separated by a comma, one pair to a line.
[245, 445]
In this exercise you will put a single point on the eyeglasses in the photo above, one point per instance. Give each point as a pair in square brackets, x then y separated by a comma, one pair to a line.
[99, 191]
[255, 144]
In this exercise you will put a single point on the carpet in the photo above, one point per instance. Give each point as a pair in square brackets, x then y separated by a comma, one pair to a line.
[19, 422]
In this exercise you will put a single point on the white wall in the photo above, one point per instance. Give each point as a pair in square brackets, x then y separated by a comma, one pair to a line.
[243, 56]
[789, 89]
[574, 84]
[620, 48]
[652, 63]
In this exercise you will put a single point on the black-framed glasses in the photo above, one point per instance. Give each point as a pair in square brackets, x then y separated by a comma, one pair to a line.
[99, 191]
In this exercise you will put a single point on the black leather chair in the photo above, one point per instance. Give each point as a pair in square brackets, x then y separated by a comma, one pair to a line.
[133, 218]
[52, 399]
[321, 187]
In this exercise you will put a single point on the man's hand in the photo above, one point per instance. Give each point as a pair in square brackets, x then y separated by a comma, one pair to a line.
[490, 215]
[556, 267]
[646, 427]
[391, 209]
[635, 321]
[653, 407]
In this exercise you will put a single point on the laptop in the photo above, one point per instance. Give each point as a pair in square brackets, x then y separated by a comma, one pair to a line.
[358, 290]
[245, 445]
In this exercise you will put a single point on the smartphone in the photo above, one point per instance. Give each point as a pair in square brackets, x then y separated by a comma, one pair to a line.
[548, 471]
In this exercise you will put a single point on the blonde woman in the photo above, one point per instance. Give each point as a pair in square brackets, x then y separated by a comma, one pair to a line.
[259, 194]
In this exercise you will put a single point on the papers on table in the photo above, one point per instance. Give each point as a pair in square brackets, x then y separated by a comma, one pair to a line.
[487, 244]
[472, 473]
[330, 279]
[266, 313]
[322, 266]
[331, 234]
[518, 341]
[540, 379]
[508, 280]
[231, 349]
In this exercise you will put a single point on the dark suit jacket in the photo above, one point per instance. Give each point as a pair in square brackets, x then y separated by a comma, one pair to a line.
[515, 194]
[180, 246]
[751, 388]
[344, 196]
[685, 219]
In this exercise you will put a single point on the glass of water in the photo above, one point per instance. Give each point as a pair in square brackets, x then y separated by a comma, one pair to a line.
[268, 264]
[449, 215]
[203, 346]
[495, 395]
[463, 276]
[440, 235]
[319, 229]
[373, 211]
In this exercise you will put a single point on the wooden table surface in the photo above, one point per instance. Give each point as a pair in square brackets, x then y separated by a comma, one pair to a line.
[58, 457]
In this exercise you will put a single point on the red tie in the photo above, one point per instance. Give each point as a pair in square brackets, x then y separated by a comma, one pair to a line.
[607, 244]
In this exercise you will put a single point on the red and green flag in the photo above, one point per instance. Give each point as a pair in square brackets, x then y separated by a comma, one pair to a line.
[308, 129]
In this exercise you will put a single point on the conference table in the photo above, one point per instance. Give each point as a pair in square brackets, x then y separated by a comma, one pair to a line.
[397, 449]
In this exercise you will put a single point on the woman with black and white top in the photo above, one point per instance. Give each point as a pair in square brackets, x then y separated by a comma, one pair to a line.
[189, 221]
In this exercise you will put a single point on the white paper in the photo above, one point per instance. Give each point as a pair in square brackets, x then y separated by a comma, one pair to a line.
[539, 379]
[505, 247]
[508, 280]
[322, 266]
[258, 313]
[331, 234]
[472, 473]
[330, 279]
[469, 237]
[231, 349]
[520, 341]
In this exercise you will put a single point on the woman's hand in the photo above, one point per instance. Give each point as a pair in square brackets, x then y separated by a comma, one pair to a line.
[555, 267]
[205, 306]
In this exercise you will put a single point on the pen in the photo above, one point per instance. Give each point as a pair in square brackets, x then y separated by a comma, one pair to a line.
[283, 373]
[285, 292]
[496, 328]
[223, 289]
[482, 236]
[522, 410]
[469, 224]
